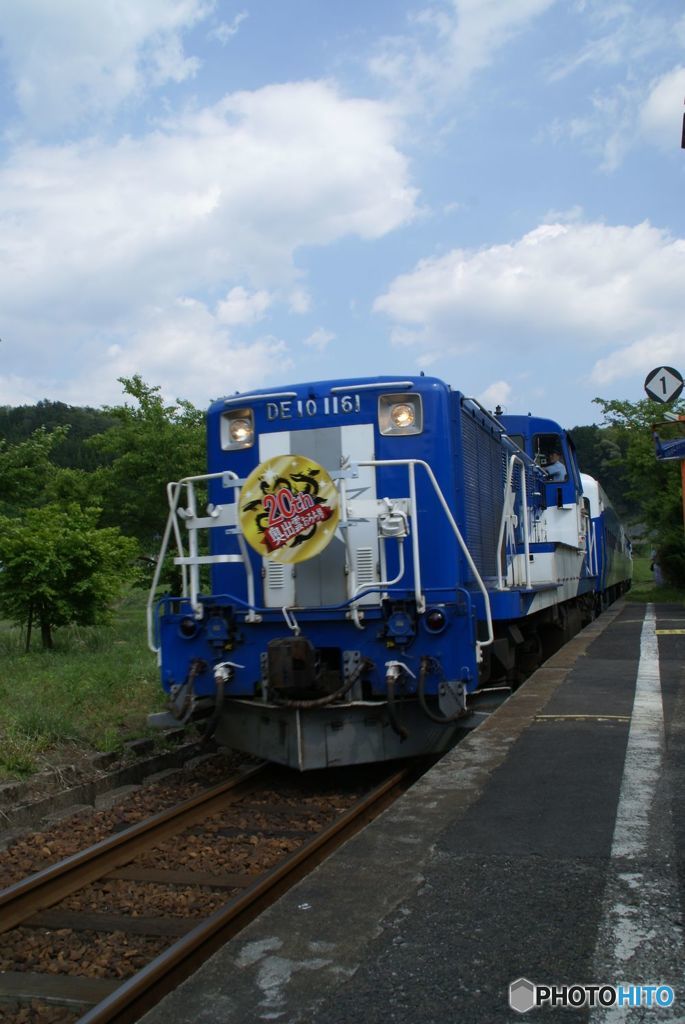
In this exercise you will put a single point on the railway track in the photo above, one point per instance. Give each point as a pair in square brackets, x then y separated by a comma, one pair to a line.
[286, 827]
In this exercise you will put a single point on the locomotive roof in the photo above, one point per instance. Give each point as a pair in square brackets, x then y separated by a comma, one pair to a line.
[529, 424]
[306, 388]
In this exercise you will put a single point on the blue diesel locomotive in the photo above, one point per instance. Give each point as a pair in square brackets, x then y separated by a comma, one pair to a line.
[362, 556]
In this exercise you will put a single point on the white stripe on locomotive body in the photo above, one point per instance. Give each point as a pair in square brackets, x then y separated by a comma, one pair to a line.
[303, 584]
[279, 580]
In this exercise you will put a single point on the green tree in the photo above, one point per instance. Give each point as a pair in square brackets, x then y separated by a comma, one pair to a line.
[18, 423]
[58, 567]
[601, 453]
[653, 485]
[150, 444]
[75, 486]
[26, 469]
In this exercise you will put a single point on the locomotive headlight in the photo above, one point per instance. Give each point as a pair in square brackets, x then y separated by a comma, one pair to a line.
[237, 429]
[400, 414]
[240, 431]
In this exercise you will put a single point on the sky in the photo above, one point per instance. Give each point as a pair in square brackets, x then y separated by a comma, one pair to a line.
[221, 196]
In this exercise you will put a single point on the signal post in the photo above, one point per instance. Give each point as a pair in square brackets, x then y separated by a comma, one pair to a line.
[665, 384]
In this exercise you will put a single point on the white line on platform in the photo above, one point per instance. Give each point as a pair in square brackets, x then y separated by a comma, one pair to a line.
[639, 939]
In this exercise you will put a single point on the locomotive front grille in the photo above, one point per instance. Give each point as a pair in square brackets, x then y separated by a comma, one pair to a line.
[483, 492]
[366, 567]
[275, 576]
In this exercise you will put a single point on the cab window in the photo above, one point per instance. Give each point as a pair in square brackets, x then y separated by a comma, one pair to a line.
[544, 448]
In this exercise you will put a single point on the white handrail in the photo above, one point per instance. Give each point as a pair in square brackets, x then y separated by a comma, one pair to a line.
[418, 593]
[593, 560]
[158, 568]
[173, 497]
[173, 494]
[350, 575]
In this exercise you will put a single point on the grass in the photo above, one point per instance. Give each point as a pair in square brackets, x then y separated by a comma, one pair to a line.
[94, 689]
[644, 588]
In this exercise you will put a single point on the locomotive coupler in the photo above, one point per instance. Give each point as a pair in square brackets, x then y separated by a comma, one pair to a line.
[293, 667]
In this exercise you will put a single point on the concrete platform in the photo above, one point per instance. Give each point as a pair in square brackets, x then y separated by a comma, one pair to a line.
[548, 845]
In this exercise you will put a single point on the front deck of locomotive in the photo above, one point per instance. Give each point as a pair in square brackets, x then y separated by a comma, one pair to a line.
[323, 616]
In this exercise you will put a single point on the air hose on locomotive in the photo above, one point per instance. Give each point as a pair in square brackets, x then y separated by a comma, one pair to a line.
[394, 670]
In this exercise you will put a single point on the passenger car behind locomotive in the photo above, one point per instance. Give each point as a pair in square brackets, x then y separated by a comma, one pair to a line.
[372, 552]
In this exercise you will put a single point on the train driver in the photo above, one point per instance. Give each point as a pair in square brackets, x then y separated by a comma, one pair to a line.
[556, 470]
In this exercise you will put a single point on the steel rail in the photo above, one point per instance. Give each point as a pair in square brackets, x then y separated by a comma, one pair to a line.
[142, 991]
[50, 885]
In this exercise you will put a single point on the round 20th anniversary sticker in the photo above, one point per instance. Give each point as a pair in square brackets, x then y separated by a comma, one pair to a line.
[289, 508]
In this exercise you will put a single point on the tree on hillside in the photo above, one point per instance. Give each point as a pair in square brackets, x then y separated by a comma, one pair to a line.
[30, 478]
[150, 444]
[58, 567]
[26, 469]
[601, 453]
[71, 451]
[653, 485]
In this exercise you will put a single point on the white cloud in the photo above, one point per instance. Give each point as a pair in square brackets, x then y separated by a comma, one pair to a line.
[622, 46]
[608, 129]
[300, 301]
[640, 357]
[449, 44]
[574, 214]
[498, 393]
[78, 58]
[17, 390]
[225, 31]
[570, 287]
[214, 202]
[243, 307]
[661, 114]
[229, 190]
[610, 38]
[427, 359]
[184, 348]
[319, 339]
[187, 350]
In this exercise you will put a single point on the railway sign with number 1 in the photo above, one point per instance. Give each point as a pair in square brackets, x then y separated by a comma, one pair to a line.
[663, 384]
